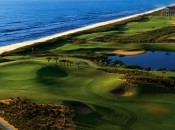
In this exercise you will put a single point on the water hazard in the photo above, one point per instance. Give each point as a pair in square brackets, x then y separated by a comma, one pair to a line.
[154, 60]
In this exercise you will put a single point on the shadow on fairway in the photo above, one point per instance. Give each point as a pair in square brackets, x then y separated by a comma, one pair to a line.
[84, 120]
[52, 71]
[49, 74]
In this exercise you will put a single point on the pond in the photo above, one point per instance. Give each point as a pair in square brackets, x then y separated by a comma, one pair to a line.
[154, 60]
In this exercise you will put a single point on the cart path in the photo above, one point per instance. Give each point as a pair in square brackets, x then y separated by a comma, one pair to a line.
[5, 125]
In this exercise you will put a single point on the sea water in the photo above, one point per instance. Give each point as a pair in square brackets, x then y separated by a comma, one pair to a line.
[23, 20]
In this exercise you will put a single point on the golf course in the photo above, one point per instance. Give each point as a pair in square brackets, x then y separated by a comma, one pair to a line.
[75, 71]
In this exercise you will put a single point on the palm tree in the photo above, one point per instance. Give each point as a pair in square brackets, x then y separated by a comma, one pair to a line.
[56, 59]
[67, 61]
[70, 63]
[64, 61]
[163, 72]
[49, 58]
[32, 50]
[78, 65]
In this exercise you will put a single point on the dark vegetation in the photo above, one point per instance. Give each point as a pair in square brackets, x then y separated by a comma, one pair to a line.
[1, 128]
[119, 91]
[154, 36]
[4, 60]
[52, 71]
[135, 77]
[26, 115]
[40, 48]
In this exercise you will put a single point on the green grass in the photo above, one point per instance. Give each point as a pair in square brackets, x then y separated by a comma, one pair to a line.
[32, 78]
[93, 35]
[95, 47]
[172, 36]
[44, 82]
[149, 23]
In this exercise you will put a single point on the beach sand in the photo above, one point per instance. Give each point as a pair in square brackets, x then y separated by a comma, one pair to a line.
[22, 44]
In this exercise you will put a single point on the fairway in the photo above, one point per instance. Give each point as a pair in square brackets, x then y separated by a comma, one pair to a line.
[86, 43]
[48, 82]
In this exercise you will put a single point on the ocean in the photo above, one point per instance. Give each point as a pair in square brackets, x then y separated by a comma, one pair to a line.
[24, 20]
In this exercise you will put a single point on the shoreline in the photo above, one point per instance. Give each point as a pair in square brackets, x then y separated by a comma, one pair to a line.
[47, 38]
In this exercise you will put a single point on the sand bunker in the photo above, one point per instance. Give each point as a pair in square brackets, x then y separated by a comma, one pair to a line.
[124, 52]
[127, 94]
[7, 101]
[84, 109]
[173, 23]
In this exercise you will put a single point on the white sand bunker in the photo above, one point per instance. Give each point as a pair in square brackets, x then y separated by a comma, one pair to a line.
[84, 109]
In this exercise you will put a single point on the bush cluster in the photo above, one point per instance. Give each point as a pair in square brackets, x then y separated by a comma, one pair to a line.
[140, 77]
[26, 115]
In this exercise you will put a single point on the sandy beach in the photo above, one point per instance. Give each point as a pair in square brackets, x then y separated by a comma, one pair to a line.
[26, 43]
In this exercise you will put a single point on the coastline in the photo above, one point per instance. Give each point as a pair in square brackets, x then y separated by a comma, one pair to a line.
[26, 43]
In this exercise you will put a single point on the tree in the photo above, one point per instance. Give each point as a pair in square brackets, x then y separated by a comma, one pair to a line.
[33, 50]
[67, 61]
[63, 61]
[49, 58]
[70, 63]
[163, 72]
[78, 65]
[56, 59]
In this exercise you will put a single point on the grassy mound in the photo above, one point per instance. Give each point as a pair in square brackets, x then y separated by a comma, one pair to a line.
[52, 71]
